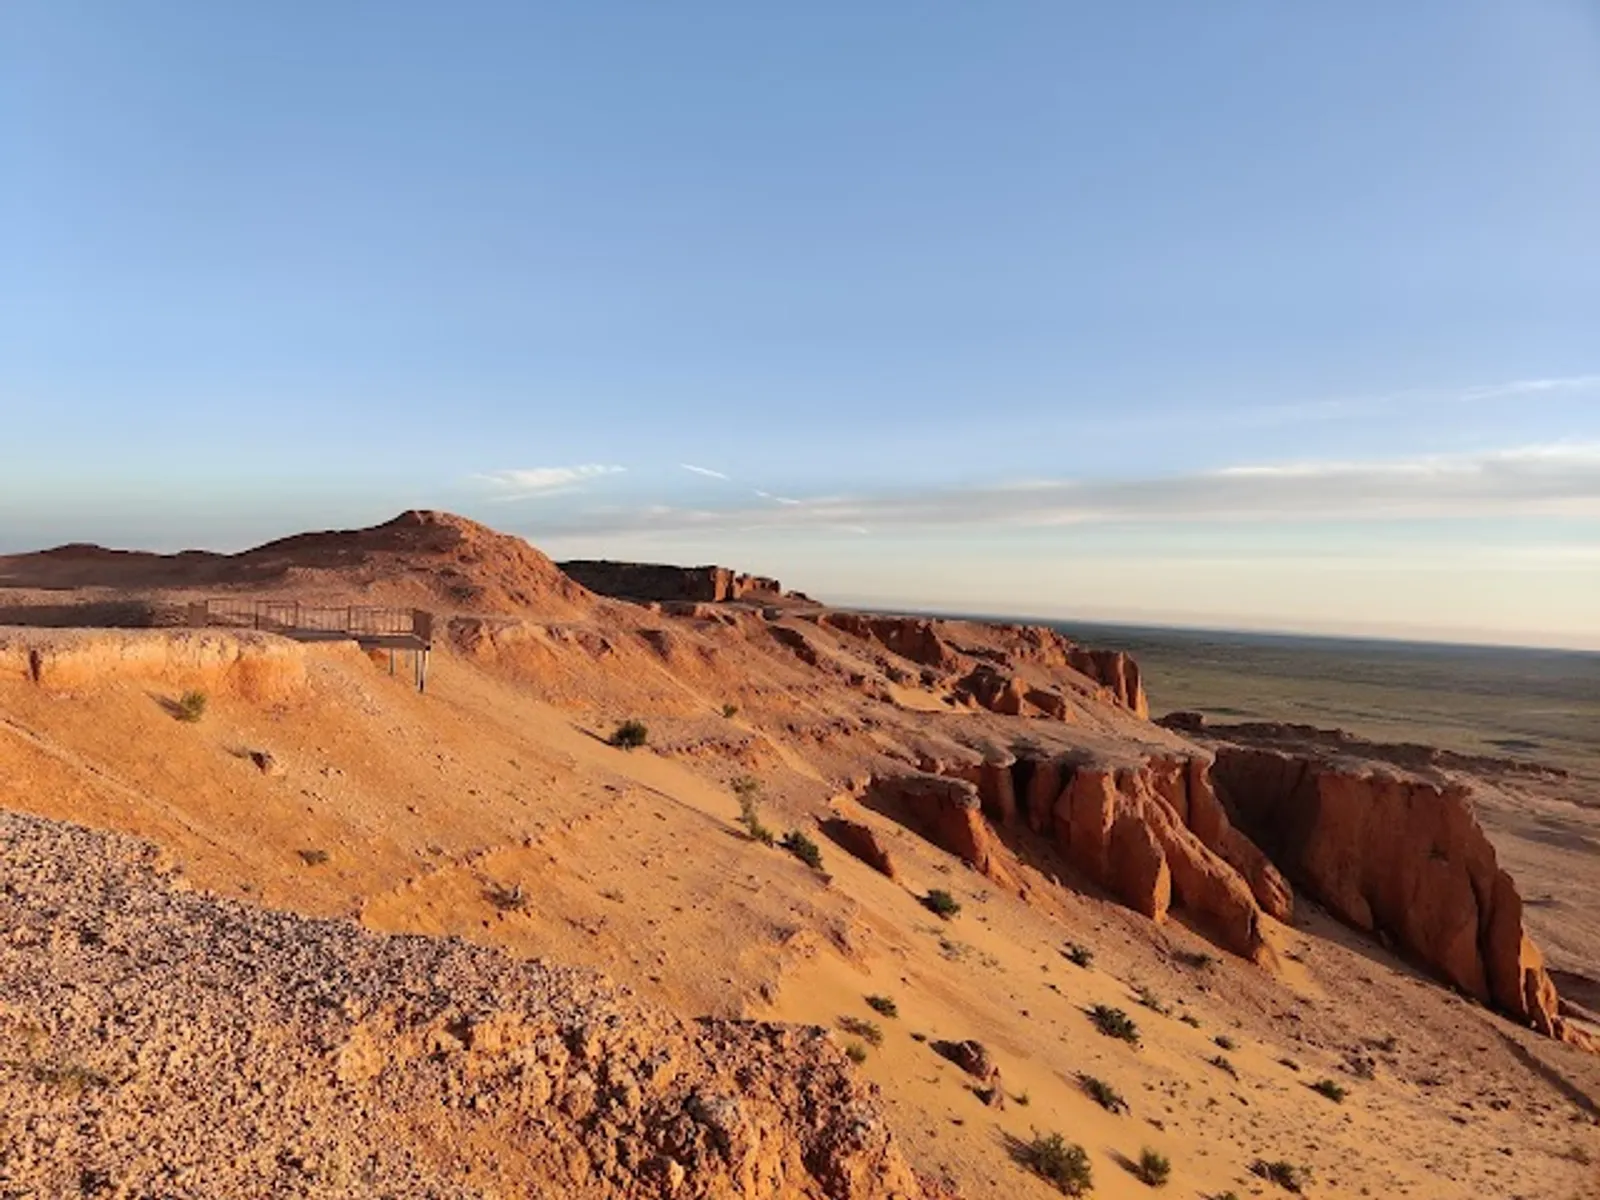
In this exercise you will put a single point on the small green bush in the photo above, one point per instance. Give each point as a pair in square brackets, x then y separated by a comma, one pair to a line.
[1190, 1020]
[191, 706]
[1152, 1001]
[1226, 1042]
[868, 1031]
[883, 1006]
[1222, 1064]
[1154, 1169]
[1103, 1094]
[942, 903]
[1331, 1089]
[730, 711]
[1285, 1174]
[1023, 1099]
[1198, 959]
[1079, 955]
[856, 1053]
[1061, 1162]
[803, 848]
[1113, 1022]
[630, 735]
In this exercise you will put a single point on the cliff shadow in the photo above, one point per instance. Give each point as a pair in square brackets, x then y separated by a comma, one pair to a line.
[1550, 1075]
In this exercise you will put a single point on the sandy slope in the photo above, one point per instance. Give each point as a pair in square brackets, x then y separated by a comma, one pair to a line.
[429, 808]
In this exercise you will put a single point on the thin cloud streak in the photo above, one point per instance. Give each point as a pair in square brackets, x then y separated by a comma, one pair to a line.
[526, 482]
[1551, 479]
[706, 471]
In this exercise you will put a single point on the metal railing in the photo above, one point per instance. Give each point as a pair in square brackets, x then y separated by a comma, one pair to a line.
[290, 617]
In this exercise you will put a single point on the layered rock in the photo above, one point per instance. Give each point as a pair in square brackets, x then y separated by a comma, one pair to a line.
[644, 582]
[1401, 856]
[254, 666]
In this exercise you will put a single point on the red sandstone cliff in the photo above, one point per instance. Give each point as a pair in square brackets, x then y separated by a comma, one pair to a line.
[1401, 856]
[645, 582]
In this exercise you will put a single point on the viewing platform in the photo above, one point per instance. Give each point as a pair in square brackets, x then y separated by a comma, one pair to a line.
[408, 630]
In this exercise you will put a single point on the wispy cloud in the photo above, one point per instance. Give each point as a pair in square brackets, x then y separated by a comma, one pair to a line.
[526, 482]
[706, 471]
[1355, 406]
[1551, 479]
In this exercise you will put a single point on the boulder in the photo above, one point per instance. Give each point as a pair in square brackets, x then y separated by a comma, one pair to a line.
[863, 842]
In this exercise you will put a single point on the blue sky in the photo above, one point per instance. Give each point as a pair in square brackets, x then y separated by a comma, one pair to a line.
[1236, 313]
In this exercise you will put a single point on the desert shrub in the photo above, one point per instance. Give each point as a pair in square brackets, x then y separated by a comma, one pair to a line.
[1197, 959]
[941, 902]
[1226, 1042]
[856, 1053]
[1079, 955]
[1062, 1162]
[506, 899]
[1152, 1001]
[70, 1077]
[1290, 1063]
[1153, 1168]
[883, 1006]
[1023, 1099]
[1287, 1175]
[1113, 1022]
[1331, 1089]
[1103, 1094]
[630, 735]
[1387, 1044]
[803, 848]
[191, 706]
[747, 790]
[1190, 1020]
[868, 1031]
[1222, 1064]
[313, 858]
[730, 711]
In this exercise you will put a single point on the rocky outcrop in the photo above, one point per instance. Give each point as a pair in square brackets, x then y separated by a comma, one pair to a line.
[913, 638]
[1114, 670]
[1127, 828]
[946, 811]
[644, 582]
[1155, 835]
[1400, 856]
[863, 842]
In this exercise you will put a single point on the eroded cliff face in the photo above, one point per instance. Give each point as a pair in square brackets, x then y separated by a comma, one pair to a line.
[1154, 834]
[1013, 670]
[1403, 857]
